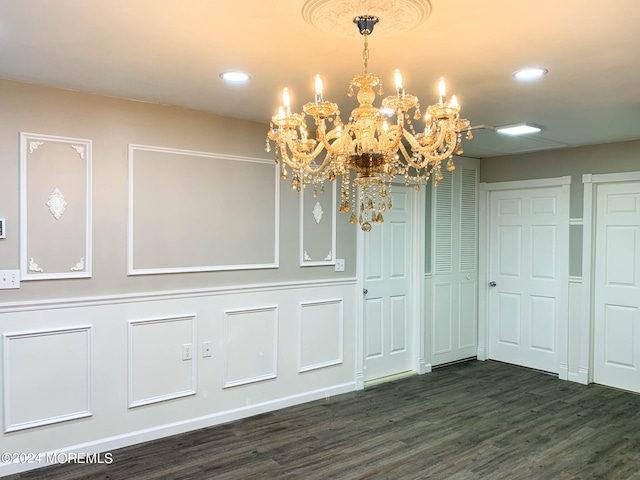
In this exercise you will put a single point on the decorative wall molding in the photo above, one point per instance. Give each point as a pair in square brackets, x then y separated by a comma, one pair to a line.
[149, 217]
[57, 203]
[34, 267]
[51, 165]
[79, 266]
[321, 334]
[317, 236]
[52, 379]
[33, 145]
[80, 149]
[160, 356]
[250, 345]
[576, 221]
[143, 297]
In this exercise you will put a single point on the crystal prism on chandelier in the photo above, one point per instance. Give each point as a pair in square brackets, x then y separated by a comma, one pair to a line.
[369, 143]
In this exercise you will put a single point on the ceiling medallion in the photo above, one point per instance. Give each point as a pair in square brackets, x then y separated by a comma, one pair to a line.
[334, 16]
[372, 145]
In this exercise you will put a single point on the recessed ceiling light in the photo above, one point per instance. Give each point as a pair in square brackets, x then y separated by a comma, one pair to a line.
[530, 73]
[519, 129]
[234, 77]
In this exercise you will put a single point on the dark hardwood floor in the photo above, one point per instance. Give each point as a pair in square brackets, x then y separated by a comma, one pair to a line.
[475, 420]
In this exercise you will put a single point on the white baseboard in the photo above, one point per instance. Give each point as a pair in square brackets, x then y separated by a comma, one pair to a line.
[111, 443]
[581, 377]
[481, 354]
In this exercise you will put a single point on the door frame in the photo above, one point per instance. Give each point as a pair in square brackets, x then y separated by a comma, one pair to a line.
[587, 330]
[417, 325]
[484, 235]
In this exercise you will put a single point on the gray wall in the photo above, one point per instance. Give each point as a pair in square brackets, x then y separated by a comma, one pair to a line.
[594, 159]
[112, 124]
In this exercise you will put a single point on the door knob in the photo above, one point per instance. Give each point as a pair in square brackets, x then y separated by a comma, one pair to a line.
[365, 291]
[492, 284]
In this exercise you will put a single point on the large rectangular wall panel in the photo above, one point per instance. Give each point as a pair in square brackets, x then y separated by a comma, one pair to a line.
[161, 359]
[180, 201]
[321, 334]
[55, 207]
[251, 345]
[46, 377]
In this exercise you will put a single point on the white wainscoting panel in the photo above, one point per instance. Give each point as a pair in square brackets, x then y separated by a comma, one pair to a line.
[321, 334]
[157, 370]
[251, 345]
[46, 377]
[131, 337]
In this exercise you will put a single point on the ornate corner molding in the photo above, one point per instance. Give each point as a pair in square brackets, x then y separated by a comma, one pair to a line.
[79, 150]
[317, 212]
[306, 256]
[34, 144]
[57, 203]
[329, 256]
[79, 266]
[34, 267]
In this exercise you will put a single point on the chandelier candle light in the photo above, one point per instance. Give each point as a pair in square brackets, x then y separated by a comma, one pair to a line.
[369, 144]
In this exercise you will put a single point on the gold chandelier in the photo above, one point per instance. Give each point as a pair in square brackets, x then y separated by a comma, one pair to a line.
[369, 144]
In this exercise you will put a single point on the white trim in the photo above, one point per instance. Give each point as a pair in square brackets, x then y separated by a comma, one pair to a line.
[575, 279]
[483, 272]
[576, 221]
[418, 282]
[274, 367]
[328, 363]
[590, 184]
[154, 433]
[524, 184]
[132, 403]
[25, 272]
[484, 256]
[126, 298]
[6, 338]
[611, 177]
[315, 263]
[131, 270]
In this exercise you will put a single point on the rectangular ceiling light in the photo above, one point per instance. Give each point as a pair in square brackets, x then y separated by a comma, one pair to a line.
[519, 129]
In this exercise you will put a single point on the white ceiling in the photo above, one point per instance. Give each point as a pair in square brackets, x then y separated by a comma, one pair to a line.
[172, 51]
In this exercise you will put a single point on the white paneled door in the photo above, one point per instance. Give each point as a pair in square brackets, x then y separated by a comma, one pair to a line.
[528, 272]
[388, 324]
[617, 286]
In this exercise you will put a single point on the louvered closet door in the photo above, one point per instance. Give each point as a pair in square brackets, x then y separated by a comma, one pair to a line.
[454, 281]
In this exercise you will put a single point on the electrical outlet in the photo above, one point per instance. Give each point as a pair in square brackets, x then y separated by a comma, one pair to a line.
[9, 279]
[187, 351]
[206, 349]
[339, 265]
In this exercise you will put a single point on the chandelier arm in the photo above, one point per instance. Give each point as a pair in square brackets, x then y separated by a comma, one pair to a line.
[299, 159]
